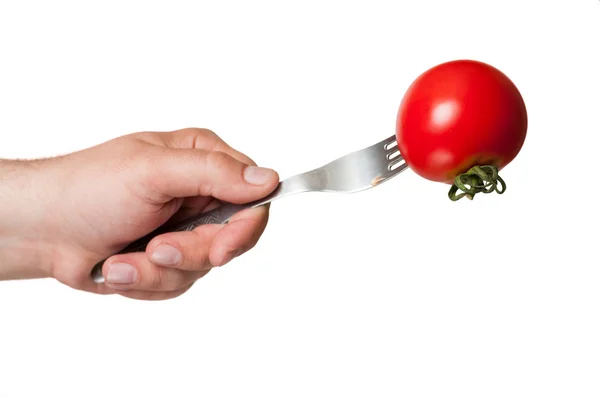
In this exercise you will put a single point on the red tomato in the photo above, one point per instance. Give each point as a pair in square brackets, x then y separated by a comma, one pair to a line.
[457, 115]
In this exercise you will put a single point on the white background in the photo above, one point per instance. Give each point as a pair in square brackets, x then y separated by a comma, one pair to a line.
[392, 292]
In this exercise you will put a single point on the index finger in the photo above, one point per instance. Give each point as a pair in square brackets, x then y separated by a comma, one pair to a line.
[195, 138]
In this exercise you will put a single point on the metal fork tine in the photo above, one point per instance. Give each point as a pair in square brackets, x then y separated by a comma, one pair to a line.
[390, 143]
[394, 162]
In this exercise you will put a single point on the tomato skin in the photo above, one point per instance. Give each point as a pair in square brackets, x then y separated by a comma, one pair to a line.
[457, 115]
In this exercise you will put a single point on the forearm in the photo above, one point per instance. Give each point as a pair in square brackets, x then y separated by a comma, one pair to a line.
[25, 250]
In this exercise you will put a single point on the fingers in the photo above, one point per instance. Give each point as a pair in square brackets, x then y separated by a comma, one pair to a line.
[186, 251]
[135, 272]
[179, 173]
[195, 138]
[173, 261]
[148, 295]
[76, 274]
[203, 139]
[239, 236]
[192, 207]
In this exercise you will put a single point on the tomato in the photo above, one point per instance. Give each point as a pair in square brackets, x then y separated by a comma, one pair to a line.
[458, 115]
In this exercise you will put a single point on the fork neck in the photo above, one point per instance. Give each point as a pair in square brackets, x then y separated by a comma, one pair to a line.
[291, 185]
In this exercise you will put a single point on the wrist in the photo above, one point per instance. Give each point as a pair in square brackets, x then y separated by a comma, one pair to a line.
[26, 249]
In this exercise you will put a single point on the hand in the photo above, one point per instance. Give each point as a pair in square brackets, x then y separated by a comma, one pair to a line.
[92, 203]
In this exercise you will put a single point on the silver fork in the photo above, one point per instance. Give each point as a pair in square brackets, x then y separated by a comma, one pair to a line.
[354, 172]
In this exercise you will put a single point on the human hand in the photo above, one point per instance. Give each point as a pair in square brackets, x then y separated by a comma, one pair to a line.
[96, 201]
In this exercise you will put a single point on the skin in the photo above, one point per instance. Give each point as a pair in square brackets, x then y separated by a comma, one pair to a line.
[60, 216]
[457, 115]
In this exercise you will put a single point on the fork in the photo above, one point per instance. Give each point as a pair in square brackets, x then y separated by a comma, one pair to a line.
[354, 172]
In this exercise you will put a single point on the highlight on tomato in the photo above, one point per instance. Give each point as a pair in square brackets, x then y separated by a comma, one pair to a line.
[460, 123]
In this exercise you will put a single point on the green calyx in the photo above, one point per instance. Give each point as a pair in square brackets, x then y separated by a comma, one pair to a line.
[484, 179]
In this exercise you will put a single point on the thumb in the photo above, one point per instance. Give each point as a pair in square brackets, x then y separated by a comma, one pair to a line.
[195, 172]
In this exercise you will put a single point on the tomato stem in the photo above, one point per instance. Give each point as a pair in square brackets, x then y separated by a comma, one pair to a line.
[477, 179]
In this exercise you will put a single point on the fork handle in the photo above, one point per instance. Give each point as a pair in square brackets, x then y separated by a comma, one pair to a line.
[219, 215]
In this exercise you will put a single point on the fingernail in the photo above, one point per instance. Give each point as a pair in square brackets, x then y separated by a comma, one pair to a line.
[121, 273]
[166, 255]
[258, 175]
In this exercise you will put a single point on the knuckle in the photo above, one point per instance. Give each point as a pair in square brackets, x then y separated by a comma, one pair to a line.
[218, 161]
[156, 281]
[149, 175]
[148, 162]
[167, 280]
[198, 265]
[197, 262]
[199, 131]
[199, 135]
[207, 133]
